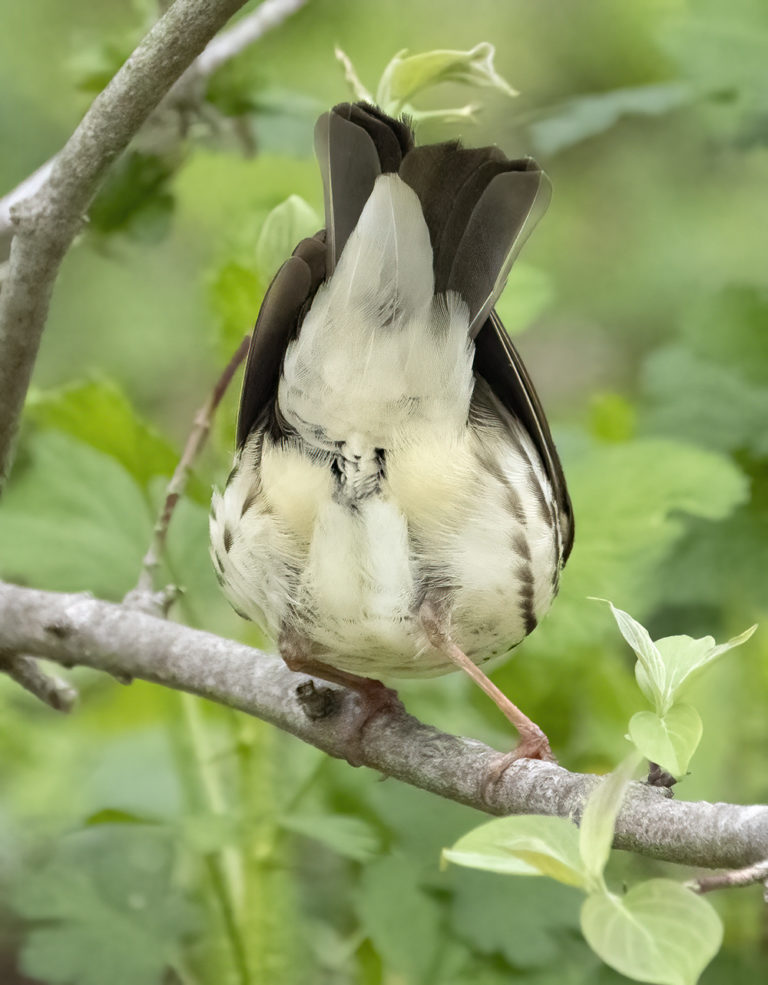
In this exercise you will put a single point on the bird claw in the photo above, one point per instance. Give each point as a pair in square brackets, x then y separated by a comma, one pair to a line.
[532, 746]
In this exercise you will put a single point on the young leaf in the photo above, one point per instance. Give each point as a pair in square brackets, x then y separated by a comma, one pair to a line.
[407, 74]
[685, 658]
[669, 740]
[599, 819]
[523, 846]
[659, 932]
[652, 681]
[287, 224]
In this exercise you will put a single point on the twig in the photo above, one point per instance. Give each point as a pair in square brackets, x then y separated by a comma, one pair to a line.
[50, 689]
[175, 488]
[47, 223]
[77, 629]
[269, 15]
[219, 50]
[734, 879]
[351, 77]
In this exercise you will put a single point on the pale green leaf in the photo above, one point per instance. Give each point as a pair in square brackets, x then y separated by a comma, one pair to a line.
[653, 680]
[408, 74]
[528, 293]
[599, 819]
[659, 932]
[285, 226]
[525, 846]
[669, 740]
[351, 837]
[685, 658]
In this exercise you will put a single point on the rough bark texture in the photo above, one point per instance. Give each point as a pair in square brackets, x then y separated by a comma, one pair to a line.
[77, 629]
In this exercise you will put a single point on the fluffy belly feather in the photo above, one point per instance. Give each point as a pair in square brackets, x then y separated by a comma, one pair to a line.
[349, 576]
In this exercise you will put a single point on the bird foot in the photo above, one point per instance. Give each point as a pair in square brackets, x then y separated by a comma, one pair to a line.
[375, 699]
[533, 745]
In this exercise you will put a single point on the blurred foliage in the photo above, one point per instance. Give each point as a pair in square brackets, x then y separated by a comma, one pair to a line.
[150, 837]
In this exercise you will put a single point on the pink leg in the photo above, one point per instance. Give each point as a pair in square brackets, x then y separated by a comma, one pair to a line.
[374, 695]
[533, 742]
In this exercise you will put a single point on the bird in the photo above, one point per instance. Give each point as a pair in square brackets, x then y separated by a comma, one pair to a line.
[396, 507]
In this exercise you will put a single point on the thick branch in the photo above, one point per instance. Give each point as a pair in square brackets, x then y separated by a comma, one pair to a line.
[77, 629]
[48, 222]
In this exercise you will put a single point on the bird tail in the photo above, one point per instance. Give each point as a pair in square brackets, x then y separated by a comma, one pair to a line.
[478, 205]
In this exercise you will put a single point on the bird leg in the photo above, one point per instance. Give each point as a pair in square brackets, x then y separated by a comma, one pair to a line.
[375, 696]
[533, 742]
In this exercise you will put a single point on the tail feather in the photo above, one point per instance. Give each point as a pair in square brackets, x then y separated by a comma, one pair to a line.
[354, 143]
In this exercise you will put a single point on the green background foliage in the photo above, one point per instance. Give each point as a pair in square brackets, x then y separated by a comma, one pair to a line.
[150, 838]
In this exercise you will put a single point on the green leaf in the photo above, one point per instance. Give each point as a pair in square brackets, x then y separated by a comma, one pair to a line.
[72, 519]
[743, 308]
[721, 49]
[99, 414]
[685, 658]
[599, 819]
[528, 293]
[105, 910]
[586, 116]
[406, 74]
[236, 294]
[285, 226]
[669, 740]
[400, 919]
[524, 846]
[653, 679]
[612, 417]
[630, 500]
[135, 198]
[527, 927]
[350, 837]
[659, 932]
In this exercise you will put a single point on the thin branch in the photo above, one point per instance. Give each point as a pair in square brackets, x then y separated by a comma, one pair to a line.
[50, 689]
[175, 488]
[734, 879]
[244, 33]
[217, 52]
[47, 222]
[77, 629]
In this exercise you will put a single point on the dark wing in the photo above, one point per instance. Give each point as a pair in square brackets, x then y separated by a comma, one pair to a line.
[500, 365]
[284, 304]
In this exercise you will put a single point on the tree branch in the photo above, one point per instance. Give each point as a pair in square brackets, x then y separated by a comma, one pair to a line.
[221, 49]
[46, 223]
[51, 690]
[77, 629]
